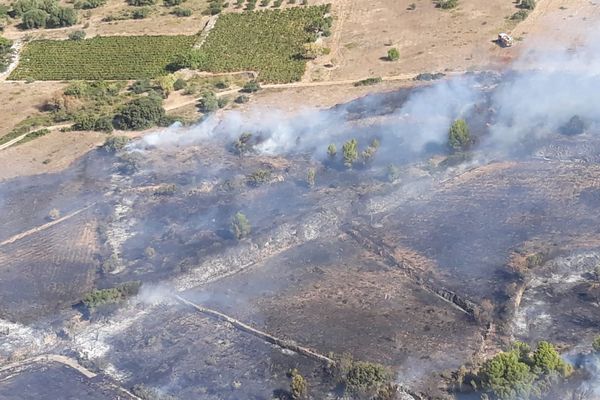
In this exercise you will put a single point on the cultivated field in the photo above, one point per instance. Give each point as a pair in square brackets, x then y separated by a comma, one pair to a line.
[268, 42]
[119, 57]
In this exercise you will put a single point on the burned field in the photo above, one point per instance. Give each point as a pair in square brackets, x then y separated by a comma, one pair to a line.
[435, 267]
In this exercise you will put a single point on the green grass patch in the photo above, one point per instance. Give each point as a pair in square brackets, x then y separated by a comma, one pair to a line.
[267, 41]
[113, 58]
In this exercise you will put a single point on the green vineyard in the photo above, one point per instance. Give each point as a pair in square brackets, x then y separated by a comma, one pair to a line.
[114, 58]
[268, 42]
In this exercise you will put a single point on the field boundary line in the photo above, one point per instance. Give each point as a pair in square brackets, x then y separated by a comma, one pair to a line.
[40, 228]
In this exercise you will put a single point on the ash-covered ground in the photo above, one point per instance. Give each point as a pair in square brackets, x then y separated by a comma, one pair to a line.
[425, 266]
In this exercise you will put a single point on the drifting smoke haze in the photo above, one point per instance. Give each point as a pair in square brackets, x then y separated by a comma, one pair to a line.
[543, 91]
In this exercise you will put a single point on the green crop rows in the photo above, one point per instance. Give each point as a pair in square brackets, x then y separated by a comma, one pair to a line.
[264, 41]
[115, 57]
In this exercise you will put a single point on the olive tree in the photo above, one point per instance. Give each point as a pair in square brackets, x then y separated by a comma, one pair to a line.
[240, 226]
[459, 136]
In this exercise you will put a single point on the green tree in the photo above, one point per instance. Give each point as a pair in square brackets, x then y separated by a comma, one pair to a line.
[459, 136]
[34, 19]
[311, 176]
[166, 83]
[240, 227]
[209, 102]
[546, 360]
[366, 377]
[596, 344]
[331, 150]
[350, 150]
[393, 54]
[393, 173]
[507, 377]
[141, 113]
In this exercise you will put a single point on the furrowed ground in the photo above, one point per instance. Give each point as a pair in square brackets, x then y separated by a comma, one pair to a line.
[113, 58]
[268, 42]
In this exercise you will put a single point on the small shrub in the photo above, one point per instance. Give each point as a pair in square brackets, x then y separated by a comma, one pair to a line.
[54, 214]
[368, 81]
[242, 99]
[171, 3]
[527, 4]
[298, 386]
[112, 144]
[259, 177]
[596, 344]
[179, 84]
[77, 35]
[311, 177]
[181, 12]
[251, 87]
[393, 54]
[140, 3]
[520, 15]
[447, 4]
[140, 13]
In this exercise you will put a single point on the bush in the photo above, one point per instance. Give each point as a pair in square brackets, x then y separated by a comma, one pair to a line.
[181, 12]
[368, 81]
[520, 15]
[527, 4]
[393, 54]
[447, 4]
[240, 227]
[298, 386]
[141, 113]
[259, 177]
[171, 3]
[104, 124]
[244, 144]
[575, 126]
[242, 99]
[140, 13]
[459, 136]
[596, 344]
[141, 86]
[140, 3]
[179, 84]
[251, 87]
[54, 214]
[112, 144]
[77, 35]
[97, 297]
[88, 4]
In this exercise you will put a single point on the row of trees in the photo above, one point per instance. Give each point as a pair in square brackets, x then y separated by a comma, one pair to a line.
[351, 153]
[43, 14]
[522, 373]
